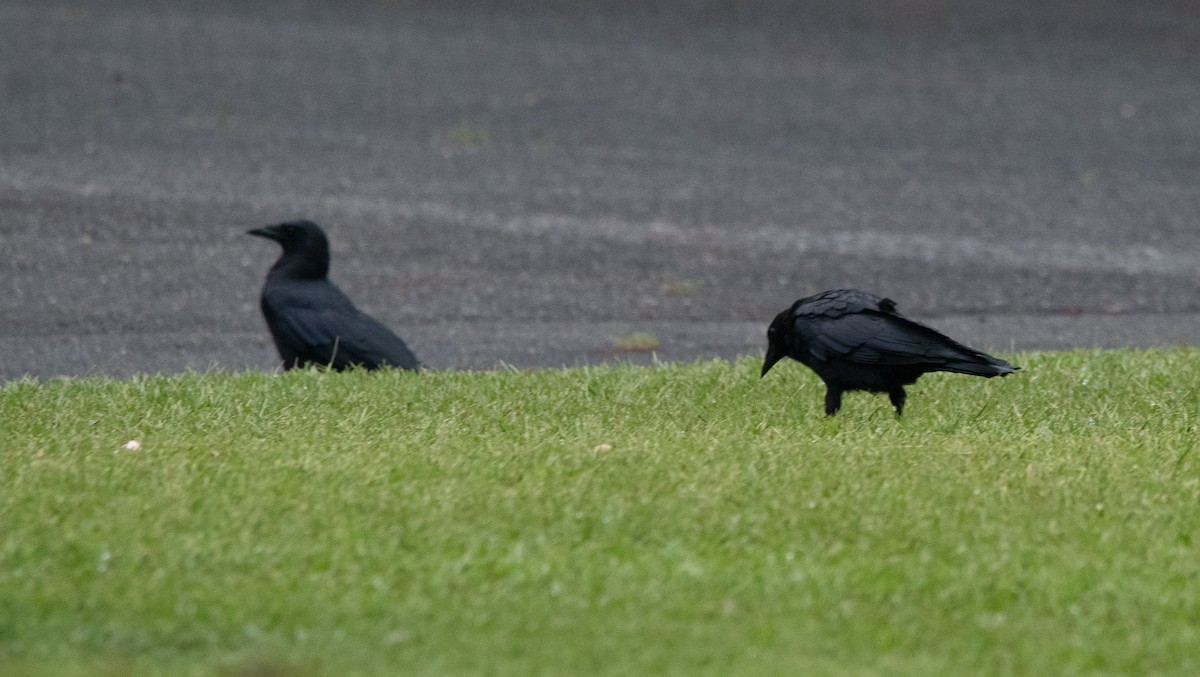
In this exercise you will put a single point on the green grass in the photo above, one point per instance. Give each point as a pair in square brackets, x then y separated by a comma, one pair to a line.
[677, 519]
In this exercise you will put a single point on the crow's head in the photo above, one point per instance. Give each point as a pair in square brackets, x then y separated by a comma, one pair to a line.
[305, 247]
[299, 235]
[777, 335]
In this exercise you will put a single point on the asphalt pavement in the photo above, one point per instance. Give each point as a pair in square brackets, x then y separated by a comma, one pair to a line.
[540, 184]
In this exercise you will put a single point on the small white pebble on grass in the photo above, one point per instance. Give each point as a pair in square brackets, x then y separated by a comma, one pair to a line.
[132, 445]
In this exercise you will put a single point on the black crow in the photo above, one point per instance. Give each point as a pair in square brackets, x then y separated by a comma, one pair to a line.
[857, 341]
[311, 320]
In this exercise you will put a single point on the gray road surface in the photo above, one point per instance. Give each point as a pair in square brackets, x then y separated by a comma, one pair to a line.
[528, 182]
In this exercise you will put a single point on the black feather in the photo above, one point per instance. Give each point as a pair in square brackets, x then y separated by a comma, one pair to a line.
[857, 341]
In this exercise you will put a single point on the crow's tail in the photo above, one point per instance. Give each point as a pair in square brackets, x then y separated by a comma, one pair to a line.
[979, 364]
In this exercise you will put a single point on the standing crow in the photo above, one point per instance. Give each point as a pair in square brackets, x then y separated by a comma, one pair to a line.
[310, 319]
[857, 341]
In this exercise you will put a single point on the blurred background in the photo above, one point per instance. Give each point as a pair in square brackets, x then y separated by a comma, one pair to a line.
[557, 183]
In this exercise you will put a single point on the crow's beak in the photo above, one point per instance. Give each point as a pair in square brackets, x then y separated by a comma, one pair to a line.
[773, 355]
[269, 232]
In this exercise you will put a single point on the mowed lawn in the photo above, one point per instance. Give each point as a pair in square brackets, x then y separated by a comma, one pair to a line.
[678, 519]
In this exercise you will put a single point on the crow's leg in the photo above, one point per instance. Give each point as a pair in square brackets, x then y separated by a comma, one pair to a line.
[896, 395]
[833, 399]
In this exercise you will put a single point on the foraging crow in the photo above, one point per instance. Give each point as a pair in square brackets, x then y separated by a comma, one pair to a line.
[310, 319]
[857, 341]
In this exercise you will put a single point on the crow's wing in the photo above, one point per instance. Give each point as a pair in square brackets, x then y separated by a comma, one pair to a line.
[848, 325]
[887, 339]
[340, 340]
[320, 324]
[875, 338]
